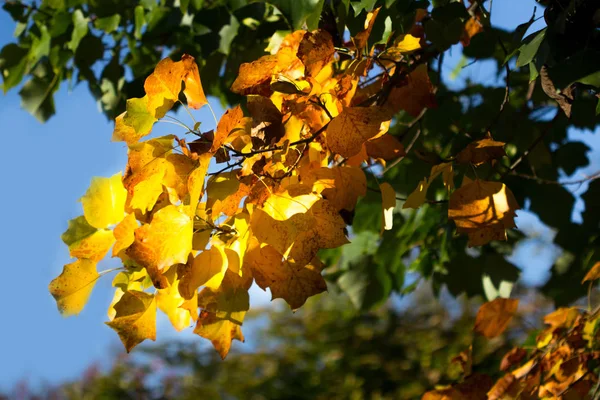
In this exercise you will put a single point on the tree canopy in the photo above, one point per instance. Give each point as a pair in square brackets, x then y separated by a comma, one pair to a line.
[345, 162]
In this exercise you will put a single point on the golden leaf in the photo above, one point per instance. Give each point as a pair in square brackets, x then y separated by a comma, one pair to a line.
[194, 93]
[287, 280]
[493, 317]
[483, 210]
[315, 51]
[170, 301]
[93, 247]
[232, 120]
[220, 332]
[135, 318]
[348, 131]
[386, 147]
[124, 234]
[104, 201]
[207, 269]
[72, 288]
[418, 196]
[341, 186]
[167, 240]
[361, 38]
[195, 183]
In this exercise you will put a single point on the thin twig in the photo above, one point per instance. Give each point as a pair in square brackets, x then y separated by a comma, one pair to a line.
[404, 199]
[506, 90]
[592, 177]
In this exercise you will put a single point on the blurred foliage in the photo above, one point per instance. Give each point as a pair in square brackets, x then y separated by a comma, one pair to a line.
[326, 351]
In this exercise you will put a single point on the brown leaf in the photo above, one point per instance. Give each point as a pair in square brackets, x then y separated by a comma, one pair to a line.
[385, 147]
[564, 98]
[502, 386]
[266, 119]
[513, 357]
[315, 51]
[362, 38]
[493, 317]
[413, 96]
[255, 77]
[481, 151]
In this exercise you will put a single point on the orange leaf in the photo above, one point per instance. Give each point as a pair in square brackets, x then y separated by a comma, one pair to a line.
[315, 51]
[593, 273]
[348, 131]
[493, 317]
[413, 96]
[362, 38]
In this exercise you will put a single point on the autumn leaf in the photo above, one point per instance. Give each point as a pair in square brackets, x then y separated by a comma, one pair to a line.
[85, 241]
[418, 196]
[255, 77]
[593, 273]
[361, 38]
[195, 183]
[194, 93]
[481, 151]
[494, 316]
[139, 116]
[124, 234]
[232, 120]
[315, 51]
[72, 288]
[165, 241]
[294, 283]
[414, 96]
[385, 147]
[207, 269]
[483, 210]
[170, 301]
[347, 132]
[104, 201]
[220, 332]
[124, 132]
[341, 186]
[135, 318]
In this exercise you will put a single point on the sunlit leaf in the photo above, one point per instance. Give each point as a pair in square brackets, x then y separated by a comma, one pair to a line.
[72, 288]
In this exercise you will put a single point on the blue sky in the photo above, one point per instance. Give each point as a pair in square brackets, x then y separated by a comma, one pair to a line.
[49, 166]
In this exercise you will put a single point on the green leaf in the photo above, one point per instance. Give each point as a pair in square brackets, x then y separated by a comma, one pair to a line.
[108, 24]
[367, 283]
[530, 49]
[60, 23]
[300, 12]
[40, 46]
[78, 229]
[361, 5]
[138, 116]
[80, 29]
[37, 99]
[140, 20]
[227, 34]
[13, 60]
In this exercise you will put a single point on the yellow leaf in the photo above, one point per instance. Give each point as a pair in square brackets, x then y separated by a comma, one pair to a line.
[135, 318]
[220, 332]
[493, 317]
[167, 240]
[170, 301]
[417, 197]
[483, 210]
[388, 203]
[124, 132]
[124, 234]
[287, 280]
[93, 247]
[145, 187]
[195, 182]
[282, 206]
[85, 241]
[104, 201]
[208, 269]
[124, 281]
[348, 131]
[593, 273]
[139, 116]
[408, 43]
[72, 288]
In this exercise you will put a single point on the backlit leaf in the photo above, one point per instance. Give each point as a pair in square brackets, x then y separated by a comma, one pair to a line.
[493, 317]
[135, 318]
[104, 201]
[72, 288]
